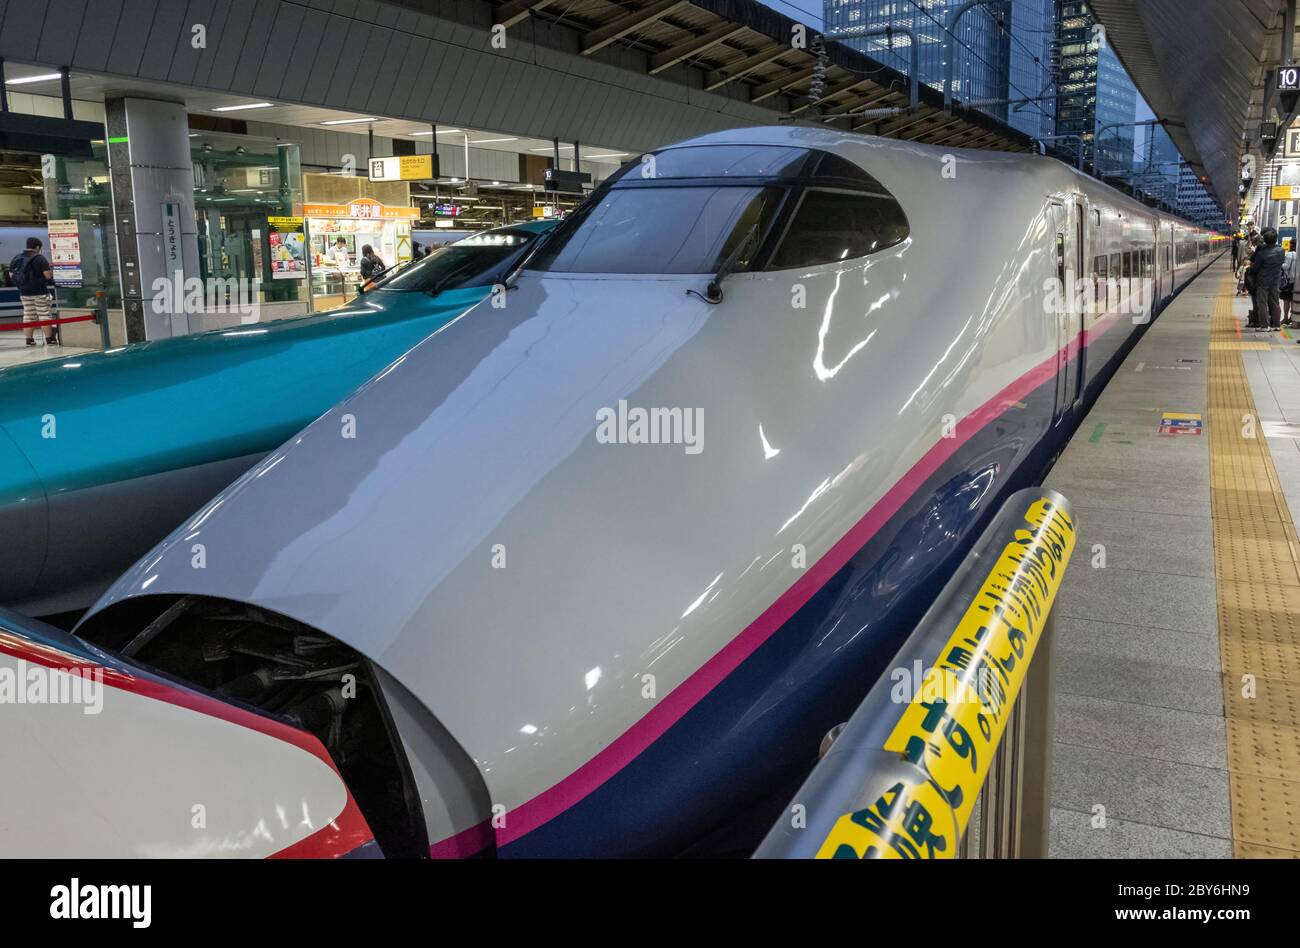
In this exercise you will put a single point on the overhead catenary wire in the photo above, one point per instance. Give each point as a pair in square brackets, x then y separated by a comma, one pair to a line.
[897, 55]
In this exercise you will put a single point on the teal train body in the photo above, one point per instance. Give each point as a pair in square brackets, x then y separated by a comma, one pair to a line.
[102, 454]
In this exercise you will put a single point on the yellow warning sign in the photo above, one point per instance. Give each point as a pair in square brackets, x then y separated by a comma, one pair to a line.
[951, 728]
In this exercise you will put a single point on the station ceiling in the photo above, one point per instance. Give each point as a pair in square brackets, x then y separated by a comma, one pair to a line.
[743, 49]
[632, 76]
[1202, 65]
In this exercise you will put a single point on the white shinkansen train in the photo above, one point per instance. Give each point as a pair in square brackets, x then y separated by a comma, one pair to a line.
[602, 565]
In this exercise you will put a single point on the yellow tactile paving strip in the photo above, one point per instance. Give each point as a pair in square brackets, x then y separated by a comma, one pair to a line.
[1257, 566]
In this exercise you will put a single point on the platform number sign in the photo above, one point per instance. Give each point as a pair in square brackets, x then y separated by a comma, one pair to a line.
[1288, 86]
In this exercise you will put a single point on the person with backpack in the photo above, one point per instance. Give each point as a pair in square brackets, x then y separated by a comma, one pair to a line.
[372, 268]
[1266, 268]
[32, 274]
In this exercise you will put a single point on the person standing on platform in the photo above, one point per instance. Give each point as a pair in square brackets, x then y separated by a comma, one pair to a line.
[32, 274]
[1236, 251]
[1266, 267]
[372, 268]
[1243, 258]
[1288, 280]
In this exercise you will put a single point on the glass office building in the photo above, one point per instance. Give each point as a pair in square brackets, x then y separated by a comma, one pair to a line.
[1094, 92]
[981, 67]
[1033, 31]
[1004, 50]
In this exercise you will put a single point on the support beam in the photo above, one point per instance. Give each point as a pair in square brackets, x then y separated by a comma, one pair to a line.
[508, 14]
[720, 77]
[939, 130]
[629, 23]
[692, 47]
[963, 137]
[884, 96]
[919, 134]
[839, 90]
[892, 129]
[979, 141]
[793, 77]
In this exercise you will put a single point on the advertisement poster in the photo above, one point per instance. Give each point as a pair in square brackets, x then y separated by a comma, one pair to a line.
[65, 252]
[288, 241]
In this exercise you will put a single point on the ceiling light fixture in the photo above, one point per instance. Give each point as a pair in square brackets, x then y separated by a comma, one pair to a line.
[240, 108]
[351, 121]
[43, 77]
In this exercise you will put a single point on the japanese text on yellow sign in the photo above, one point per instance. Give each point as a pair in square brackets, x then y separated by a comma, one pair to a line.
[951, 727]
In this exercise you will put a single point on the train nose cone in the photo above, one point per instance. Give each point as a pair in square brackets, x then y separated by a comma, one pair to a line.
[376, 503]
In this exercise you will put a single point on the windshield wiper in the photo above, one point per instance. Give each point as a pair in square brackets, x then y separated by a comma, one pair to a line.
[713, 292]
[452, 276]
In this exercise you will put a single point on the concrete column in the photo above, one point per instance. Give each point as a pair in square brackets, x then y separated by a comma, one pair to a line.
[153, 210]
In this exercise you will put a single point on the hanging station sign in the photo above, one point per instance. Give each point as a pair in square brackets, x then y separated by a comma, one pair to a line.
[403, 168]
[567, 182]
[361, 209]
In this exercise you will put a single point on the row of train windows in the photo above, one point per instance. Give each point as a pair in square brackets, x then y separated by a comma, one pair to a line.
[1140, 263]
[1134, 263]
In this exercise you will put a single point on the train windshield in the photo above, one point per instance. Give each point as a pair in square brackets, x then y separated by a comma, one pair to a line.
[694, 208]
[475, 261]
[664, 230]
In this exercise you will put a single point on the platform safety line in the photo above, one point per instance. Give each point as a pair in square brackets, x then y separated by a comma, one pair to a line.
[1257, 572]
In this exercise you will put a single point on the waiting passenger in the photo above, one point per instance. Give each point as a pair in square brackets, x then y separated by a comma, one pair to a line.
[1246, 286]
[1288, 280]
[32, 274]
[1266, 267]
[372, 268]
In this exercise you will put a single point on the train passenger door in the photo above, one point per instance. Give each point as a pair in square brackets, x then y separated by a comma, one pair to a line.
[1157, 269]
[1070, 233]
[1169, 259]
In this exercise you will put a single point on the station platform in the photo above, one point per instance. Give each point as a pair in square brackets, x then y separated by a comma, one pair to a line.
[16, 352]
[1178, 625]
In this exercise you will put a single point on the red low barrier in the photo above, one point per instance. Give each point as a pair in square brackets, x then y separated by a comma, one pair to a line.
[46, 322]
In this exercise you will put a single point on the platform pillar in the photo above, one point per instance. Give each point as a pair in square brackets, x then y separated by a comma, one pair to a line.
[153, 210]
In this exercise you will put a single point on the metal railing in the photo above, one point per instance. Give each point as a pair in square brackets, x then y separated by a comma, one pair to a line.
[961, 722]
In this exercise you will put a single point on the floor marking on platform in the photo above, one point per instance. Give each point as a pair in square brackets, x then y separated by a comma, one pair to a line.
[1096, 434]
[1179, 423]
[1257, 568]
